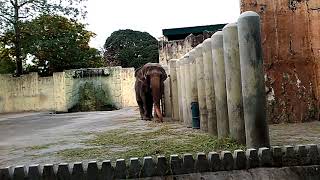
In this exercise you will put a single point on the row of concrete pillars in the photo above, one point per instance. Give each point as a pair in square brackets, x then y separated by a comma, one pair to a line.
[221, 82]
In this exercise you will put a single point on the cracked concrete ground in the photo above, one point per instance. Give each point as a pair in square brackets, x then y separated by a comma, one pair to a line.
[28, 138]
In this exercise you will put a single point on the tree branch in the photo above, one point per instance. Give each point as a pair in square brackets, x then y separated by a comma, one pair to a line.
[6, 18]
[23, 17]
[27, 2]
[13, 4]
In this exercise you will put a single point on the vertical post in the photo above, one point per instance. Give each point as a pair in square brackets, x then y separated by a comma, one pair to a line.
[201, 89]
[179, 91]
[183, 90]
[233, 82]
[174, 89]
[209, 87]
[220, 85]
[188, 89]
[253, 87]
[166, 99]
[194, 91]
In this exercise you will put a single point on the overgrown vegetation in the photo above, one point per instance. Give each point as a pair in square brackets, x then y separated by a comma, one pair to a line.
[93, 98]
[128, 48]
[165, 140]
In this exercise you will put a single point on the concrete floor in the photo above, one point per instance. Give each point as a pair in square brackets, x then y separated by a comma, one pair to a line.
[23, 135]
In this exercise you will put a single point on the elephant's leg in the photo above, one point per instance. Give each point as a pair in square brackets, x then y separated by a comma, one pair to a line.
[150, 105]
[140, 103]
[139, 99]
[146, 114]
[155, 112]
[158, 111]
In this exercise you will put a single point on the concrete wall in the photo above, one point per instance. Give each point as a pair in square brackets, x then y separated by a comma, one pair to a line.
[60, 92]
[26, 93]
[178, 48]
[127, 87]
[291, 51]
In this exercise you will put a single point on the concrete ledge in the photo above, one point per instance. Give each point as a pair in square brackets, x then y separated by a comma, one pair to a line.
[285, 173]
[293, 162]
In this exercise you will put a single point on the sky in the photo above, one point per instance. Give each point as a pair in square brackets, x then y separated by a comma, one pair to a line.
[107, 16]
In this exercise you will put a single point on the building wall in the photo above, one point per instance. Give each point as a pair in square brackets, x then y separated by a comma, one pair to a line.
[60, 92]
[177, 48]
[291, 50]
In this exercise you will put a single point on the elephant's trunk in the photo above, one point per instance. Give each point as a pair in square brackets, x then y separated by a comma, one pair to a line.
[156, 89]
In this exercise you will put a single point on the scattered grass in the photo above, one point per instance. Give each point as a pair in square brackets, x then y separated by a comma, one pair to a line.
[38, 147]
[163, 140]
[44, 146]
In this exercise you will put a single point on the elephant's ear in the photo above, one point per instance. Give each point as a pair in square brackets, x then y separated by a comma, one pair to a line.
[139, 74]
[163, 74]
[137, 71]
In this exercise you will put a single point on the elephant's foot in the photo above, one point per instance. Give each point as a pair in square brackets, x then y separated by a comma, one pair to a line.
[146, 118]
[159, 120]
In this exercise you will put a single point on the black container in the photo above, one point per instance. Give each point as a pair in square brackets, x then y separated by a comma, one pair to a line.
[195, 115]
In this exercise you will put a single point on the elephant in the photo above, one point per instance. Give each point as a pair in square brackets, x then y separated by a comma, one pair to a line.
[149, 89]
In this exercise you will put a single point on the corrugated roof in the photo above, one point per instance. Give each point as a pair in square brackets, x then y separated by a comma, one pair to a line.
[191, 30]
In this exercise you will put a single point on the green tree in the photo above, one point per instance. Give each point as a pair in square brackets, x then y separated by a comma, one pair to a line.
[58, 43]
[129, 48]
[7, 65]
[14, 12]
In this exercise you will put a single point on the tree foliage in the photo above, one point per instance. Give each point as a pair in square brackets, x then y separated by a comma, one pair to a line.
[129, 48]
[14, 12]
[55, 43]
[58, 43]
[7, 65]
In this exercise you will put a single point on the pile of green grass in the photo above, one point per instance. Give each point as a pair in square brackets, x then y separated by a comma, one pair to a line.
[165, 140]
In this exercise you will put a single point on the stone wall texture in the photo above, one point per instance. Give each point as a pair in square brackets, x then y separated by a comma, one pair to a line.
[60, 92]
[177, 48]
[291, 50]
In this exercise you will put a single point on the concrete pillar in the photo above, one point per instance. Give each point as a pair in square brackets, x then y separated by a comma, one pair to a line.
[167, 94]
[59, 92]
[233, 82]
[188, 89]
[193, 83]
[220, 85]
[174, 89]
[253, 87]
[209, 87]
[183, 89]
[201, 88]
[179, 90]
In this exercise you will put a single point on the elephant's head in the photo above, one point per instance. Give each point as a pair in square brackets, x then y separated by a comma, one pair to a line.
[153, 75]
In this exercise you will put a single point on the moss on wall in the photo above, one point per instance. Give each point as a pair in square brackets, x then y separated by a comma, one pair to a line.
[93, 98]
